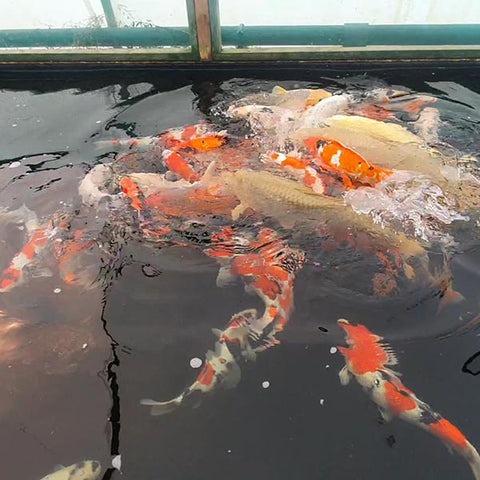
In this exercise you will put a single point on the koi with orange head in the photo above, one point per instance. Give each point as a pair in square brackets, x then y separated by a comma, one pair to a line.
[192, 140]
[367, 360]
[336, 157]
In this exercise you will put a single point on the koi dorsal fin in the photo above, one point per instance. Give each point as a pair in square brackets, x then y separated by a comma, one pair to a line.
[392, 358]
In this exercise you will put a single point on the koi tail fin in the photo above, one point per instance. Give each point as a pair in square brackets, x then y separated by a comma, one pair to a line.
[473, 459]
[454, 440]
[162, 408]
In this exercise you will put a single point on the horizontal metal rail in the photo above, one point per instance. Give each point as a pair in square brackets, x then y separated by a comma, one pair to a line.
[351, 35]
[204, 39]
[95, 37]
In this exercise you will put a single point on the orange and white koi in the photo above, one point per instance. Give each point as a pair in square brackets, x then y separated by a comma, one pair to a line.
[220, 368]
[301, 168]
[13, 276]
[368, 361]
[387, 107]
[269, 272]
[339, 158]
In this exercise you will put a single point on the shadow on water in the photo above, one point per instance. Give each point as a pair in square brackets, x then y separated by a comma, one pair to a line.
[154, 310]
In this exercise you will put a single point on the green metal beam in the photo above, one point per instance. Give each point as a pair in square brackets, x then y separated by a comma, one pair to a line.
[109, 13]
[192, 23]
[93, 37]
[215, 26]
[354, 34]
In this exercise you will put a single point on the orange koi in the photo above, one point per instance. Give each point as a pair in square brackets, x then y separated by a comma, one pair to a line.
[186, 145]
[195, 203]
[177, 164]
[367, 360]
[67, 254]
[131, 190]
[203, 144]
[339, 158]
[12, 276]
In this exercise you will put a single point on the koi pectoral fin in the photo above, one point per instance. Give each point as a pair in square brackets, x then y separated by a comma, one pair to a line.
[225, 277]
[232, 378]
[345, 376]
[450, 297]
[386, 415]
[238, 211]
[162, 408]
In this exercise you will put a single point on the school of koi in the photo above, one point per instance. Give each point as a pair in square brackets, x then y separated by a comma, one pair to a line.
[341, 168]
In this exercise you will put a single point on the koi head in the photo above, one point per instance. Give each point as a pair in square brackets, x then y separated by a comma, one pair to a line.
[365, 355]
[357, 335]
[315, 145]
[204, 144]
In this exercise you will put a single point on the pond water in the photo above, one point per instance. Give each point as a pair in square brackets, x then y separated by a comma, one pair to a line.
[134, 318]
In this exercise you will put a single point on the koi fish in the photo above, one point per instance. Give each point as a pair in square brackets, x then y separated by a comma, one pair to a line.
[269, 272]
[193, 136]
[368, 360]
[201, 137]
[71, 270]
[87, 470]
[178, 165]
[301, 168]
[389, 132]
[220, 367]
[390, 106]
[300, 98]
[295, 100]
[338, 157]
[410, 105]
[92, 187]
[131, 190]
[193, 139]
[282, 198]
[407, 156]
[316, 115]
[12, 276]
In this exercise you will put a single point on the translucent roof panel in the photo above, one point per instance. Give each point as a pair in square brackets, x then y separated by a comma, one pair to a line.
[27, 14]
[320, 12]
[149, 13]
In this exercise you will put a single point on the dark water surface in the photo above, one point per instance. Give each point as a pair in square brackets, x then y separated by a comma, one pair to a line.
[73, 374]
